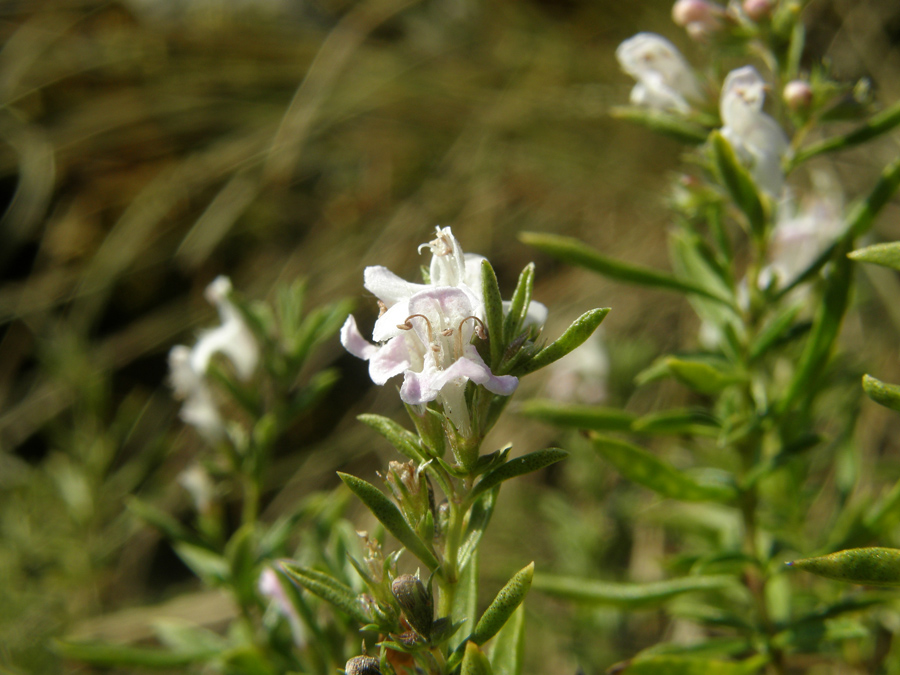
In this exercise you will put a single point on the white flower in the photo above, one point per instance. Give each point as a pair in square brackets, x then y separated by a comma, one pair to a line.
[665, 81]
[187, 367]
[803, 232]
[425, 332]
[756, 138]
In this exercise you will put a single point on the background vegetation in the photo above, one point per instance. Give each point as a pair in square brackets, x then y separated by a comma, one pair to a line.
[148, 146]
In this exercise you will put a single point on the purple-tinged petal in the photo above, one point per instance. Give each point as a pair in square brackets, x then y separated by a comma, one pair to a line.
[391, 359]
[354, 342]
[418, 388]
[504, 385]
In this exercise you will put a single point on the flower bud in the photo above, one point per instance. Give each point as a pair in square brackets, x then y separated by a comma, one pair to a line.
[416, 601]
[698, 17]
[685, 12]
[362, 665]
[757, 10]
[797, 94]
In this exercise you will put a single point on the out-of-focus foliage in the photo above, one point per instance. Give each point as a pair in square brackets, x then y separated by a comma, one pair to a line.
[149, 146]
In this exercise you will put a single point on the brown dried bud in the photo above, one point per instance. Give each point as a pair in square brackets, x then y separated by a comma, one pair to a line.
[362, 665]
[416, 602]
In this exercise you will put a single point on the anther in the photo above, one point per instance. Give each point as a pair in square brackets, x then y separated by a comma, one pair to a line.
[407, 325]
[382, 308]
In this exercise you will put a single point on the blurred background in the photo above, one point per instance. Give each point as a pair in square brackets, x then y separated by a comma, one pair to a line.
[147, 146]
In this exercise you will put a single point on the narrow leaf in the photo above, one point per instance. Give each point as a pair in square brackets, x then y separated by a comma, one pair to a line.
[887, 395]
[639, 466]
[389, 516]
[575, 252]
[403, 440]
[876, 126]
[465, 601]
[701, 376]
[479, 518]
[865, 566]
[519, 466]
[667, 124]
[210, 567]
[684, 665]
[328, 588]
[887, 255]
[826, 325]
[628, 595]
[503, 606]
[694, 422]
[580, 330]
[739, 184]
[475, 662]
[508, 648]
[122, 656]
[493, 312]
[518, 307]
[576, 416]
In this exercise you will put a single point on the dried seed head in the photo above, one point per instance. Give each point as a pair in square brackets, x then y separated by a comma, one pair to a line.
[416, 602]
[362, 665]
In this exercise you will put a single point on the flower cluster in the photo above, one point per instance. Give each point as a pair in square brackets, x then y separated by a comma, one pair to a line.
[188, 366]
[425, 331]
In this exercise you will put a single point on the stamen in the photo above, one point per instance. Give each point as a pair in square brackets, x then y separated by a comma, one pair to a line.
[407, 325]
[382, 308]
[480, 328]
[480, 331]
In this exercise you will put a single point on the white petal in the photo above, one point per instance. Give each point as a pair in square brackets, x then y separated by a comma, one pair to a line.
[386, 325]
[354, 342]
[387, 286]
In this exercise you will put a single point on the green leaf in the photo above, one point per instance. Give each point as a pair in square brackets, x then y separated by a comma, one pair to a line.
[475, 662]
[580, 330]
[826, 324]
[862, 217]
[479, 518]
[877, 125]
[865, 566]
[887, 255]
[389, 516]
[212, 568]
[774, 330]
[403, 440]
[885, 394]
[628, 595]
[187, 638]
[518, 307]
[328, 588]
[739, 184]
[575, 252]
[106, 655]
[164, 522]
[519, 466]
[701, 376]
[465, 601]
[667, 124]
[493, 313]
[503, 605]
[639, 466]
[684, 665]
[576, 416]
[508, 648]
[693, 422]
[241, 555]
